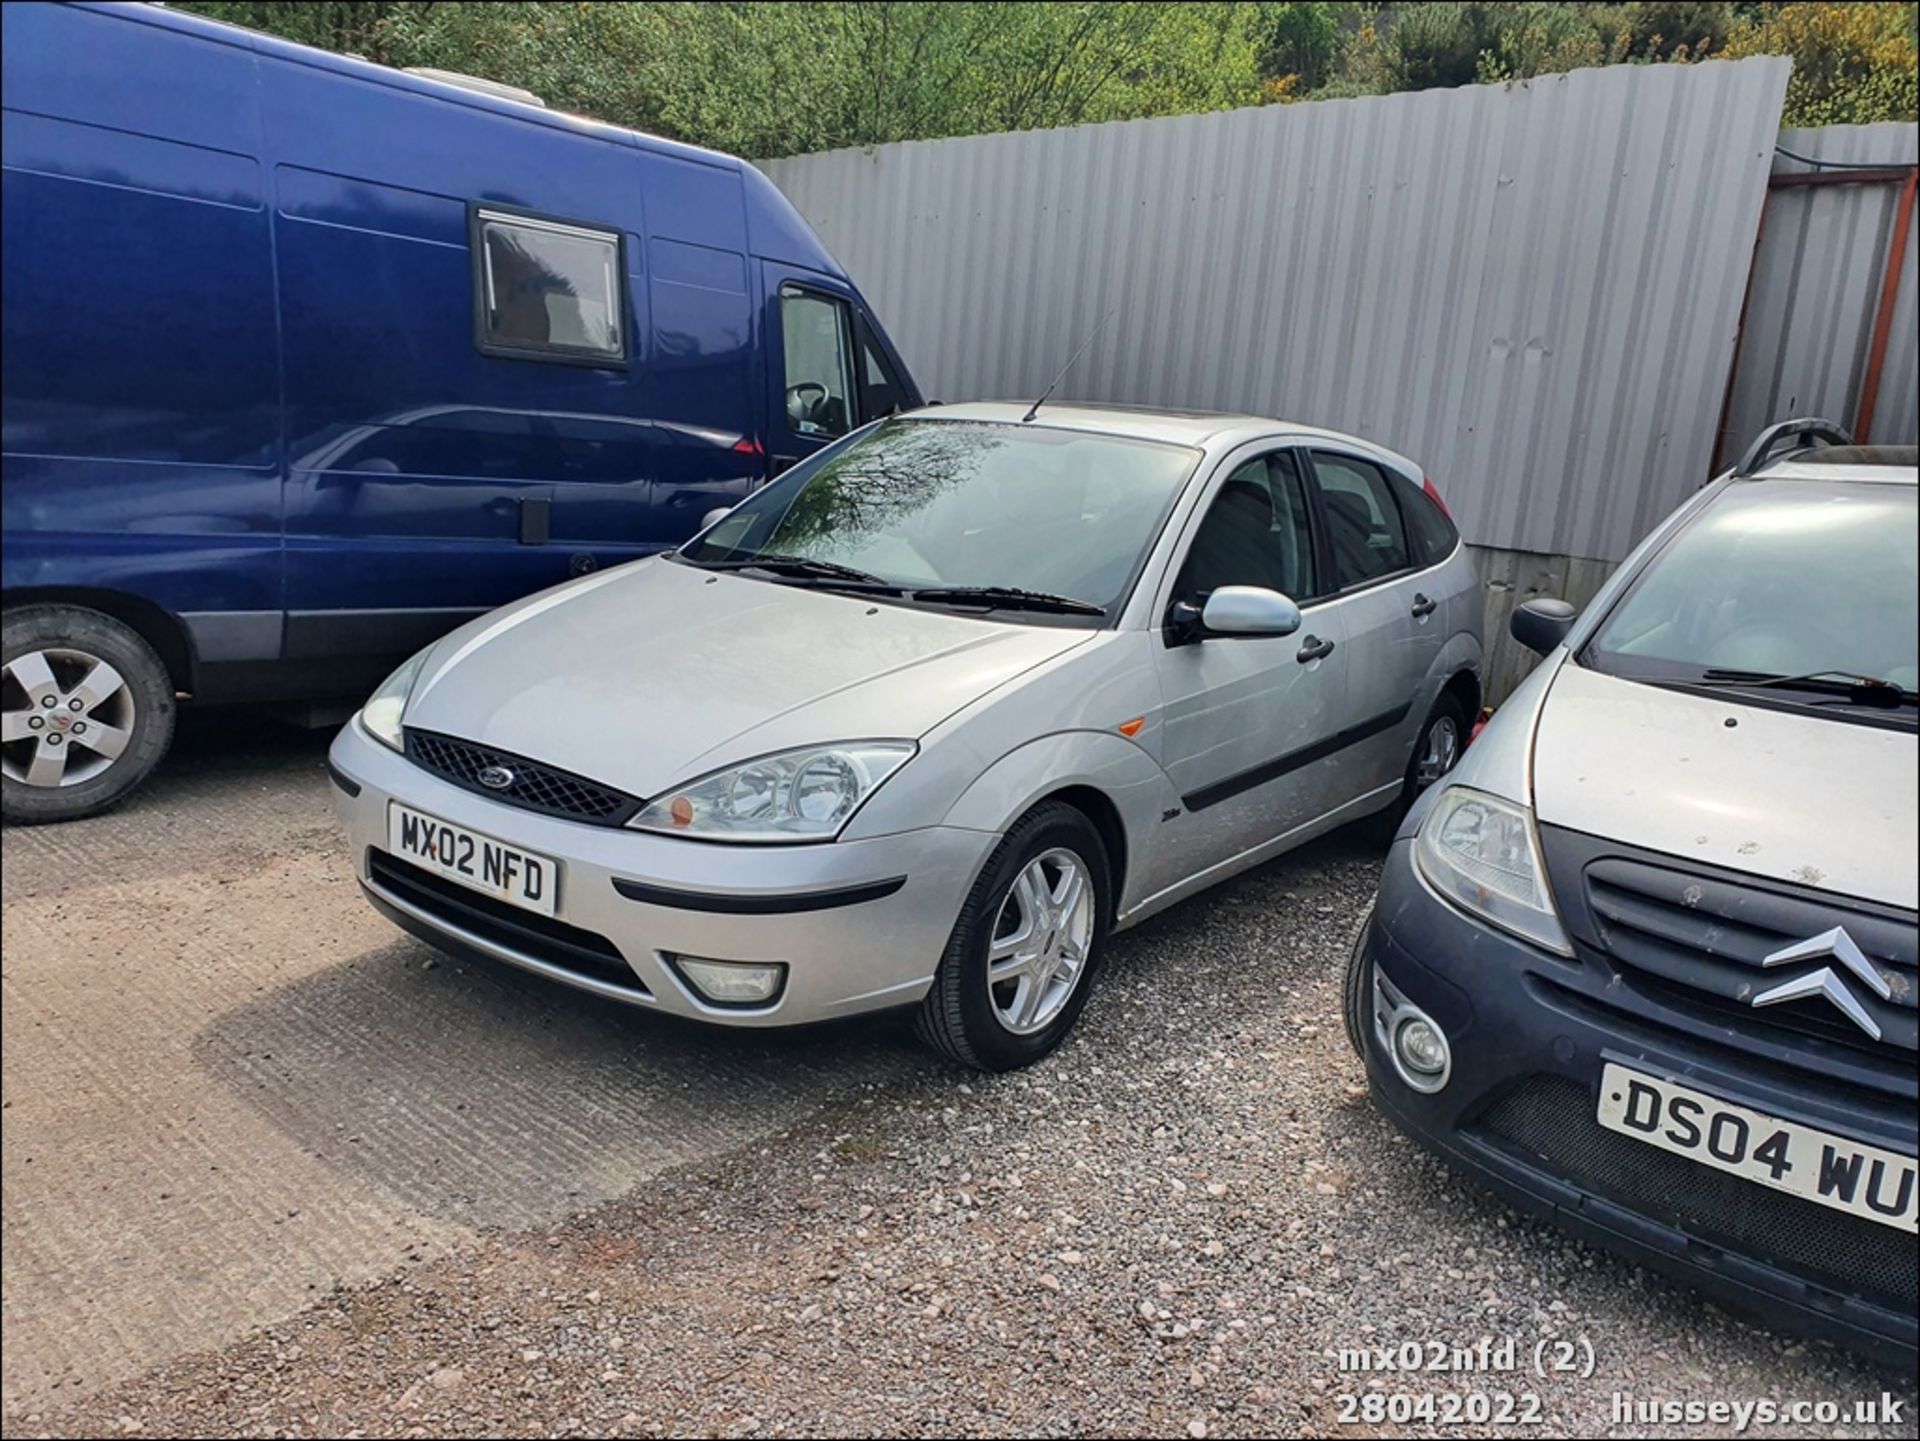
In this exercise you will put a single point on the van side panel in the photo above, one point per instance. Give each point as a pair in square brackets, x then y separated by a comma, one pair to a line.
[140, 359]
[412, 455]
[702, 383]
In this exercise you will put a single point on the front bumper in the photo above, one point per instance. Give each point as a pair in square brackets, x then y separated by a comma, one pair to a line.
[852, 940]
[1530, 1033]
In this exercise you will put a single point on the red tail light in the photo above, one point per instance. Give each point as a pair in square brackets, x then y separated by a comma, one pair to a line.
[748, 445]
[1426, 484]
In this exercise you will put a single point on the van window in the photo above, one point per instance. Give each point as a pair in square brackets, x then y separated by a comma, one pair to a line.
[819, 358]
[1368, 536]
[549, 290]
[880, 390]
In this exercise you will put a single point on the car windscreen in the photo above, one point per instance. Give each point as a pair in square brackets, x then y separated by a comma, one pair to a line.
[946, 505]
[1795, 586]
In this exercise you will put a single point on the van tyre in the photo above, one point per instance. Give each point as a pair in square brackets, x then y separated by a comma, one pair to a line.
[88, 712]
[1021, 960]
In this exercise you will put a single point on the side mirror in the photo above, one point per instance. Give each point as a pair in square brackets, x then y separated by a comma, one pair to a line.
[714, 516]
[1249, 610]
[1542, 623]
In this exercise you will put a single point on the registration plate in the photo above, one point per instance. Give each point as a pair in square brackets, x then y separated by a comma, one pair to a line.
[485, 864]
[1830, 1170]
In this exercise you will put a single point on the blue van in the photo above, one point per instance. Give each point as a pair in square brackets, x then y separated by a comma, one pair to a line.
[307, 360]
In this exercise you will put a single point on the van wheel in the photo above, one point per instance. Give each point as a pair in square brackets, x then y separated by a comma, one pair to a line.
[86, 709]
[1020, 962]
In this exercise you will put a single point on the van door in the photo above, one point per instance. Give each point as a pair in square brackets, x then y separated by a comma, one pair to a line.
[1248, 719]
[828, 371]
[1393, 639]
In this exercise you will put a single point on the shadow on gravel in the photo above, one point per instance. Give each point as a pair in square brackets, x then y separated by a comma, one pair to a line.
[480, 1095]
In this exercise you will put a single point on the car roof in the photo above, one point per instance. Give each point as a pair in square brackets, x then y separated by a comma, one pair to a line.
[1206, 429]
[1816, 465]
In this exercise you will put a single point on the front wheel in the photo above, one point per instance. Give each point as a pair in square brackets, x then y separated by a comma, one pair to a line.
[87, 710]
[1021, 958]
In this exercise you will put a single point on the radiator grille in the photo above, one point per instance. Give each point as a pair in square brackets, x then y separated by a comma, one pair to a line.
[1551, 1119]
[572, 948]
[535, 786]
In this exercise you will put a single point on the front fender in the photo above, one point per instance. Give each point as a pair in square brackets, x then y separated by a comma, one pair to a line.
[1117, 769]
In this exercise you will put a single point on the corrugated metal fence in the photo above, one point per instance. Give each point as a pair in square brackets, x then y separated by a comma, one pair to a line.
[1534, 289]
[1816, 291]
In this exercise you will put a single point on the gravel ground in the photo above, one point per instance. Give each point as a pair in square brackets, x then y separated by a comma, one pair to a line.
[1170, 1227]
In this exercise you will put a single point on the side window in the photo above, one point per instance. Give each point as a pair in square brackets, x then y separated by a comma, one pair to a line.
[548, 290]
[1364, 527]
[1430, 533]
[1255, 532]
[818, 345]
[880, 391]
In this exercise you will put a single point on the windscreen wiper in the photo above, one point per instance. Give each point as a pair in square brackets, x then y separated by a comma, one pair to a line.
[1845, 686]
[800, 567]
[1005, 597]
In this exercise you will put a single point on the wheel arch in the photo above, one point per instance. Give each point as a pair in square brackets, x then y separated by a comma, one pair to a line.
[1464, 686]
[1110, 780]
[157, 626]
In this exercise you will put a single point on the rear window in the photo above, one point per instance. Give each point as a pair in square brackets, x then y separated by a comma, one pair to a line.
[1429, 533]
[1364, 525]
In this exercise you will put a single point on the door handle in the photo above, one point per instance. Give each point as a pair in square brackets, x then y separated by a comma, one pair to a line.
[534, 519]
[1314, 650]
[1422, 607]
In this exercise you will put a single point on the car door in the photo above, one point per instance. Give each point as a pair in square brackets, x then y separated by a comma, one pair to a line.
[1246, 718]
[1393, 632]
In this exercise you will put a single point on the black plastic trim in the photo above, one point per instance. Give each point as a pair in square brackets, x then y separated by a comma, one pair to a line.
[1293, 760]
[340, 778]
[780, 904]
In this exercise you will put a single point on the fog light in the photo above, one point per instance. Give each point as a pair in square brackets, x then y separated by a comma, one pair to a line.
[1421, 1049]
[732, 983]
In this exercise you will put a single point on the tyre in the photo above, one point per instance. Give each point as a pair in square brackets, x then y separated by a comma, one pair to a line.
[87, 711]
[1355, 1009]
[1022, 956]
[1436, 752]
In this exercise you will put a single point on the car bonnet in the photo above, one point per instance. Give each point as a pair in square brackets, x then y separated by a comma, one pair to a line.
[1794, 796]
[653, 675]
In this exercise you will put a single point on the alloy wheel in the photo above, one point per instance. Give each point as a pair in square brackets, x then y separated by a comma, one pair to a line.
[1041, 940]
[65, 717]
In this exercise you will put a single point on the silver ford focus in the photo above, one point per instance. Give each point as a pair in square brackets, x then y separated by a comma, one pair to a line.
[925, 719]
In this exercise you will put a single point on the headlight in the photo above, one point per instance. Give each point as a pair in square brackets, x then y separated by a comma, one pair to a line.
[1481, 853]
[806, 794]
[381, 714]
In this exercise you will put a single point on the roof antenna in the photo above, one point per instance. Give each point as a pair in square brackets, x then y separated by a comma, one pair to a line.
[1035, 410]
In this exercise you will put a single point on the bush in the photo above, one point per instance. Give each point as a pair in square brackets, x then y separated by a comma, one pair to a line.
[1852, 64]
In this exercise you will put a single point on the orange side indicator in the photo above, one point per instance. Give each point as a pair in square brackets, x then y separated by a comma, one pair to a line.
[1132, 727]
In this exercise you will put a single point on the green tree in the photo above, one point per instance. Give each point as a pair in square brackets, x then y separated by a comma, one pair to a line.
[351, 28]
[1301, 41]
[773, 79]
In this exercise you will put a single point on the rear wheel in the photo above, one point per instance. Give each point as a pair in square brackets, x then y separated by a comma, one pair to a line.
[1021, 958]
[1442, 739]
[86, 711]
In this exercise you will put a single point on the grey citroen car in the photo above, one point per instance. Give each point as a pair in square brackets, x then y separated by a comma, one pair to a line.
[1646, 962]
[922, 721]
